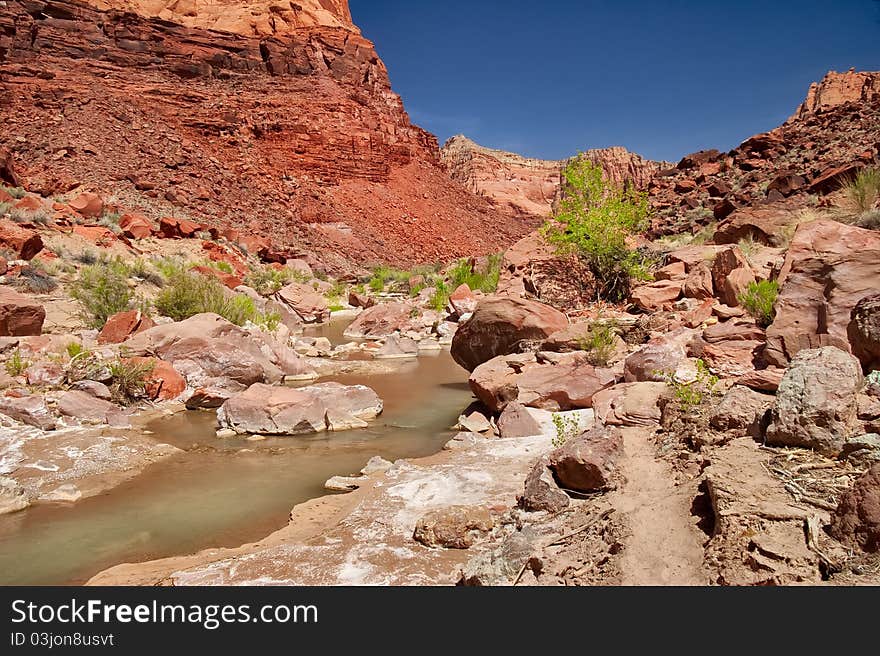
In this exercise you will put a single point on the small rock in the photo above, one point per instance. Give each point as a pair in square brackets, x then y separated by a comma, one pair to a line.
[587, 463]
[375, 465]
[344, 483]
[454, 527]
[13, 496]
[541, 492]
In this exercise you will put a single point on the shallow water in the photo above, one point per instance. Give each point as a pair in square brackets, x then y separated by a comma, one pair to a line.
[223, 493]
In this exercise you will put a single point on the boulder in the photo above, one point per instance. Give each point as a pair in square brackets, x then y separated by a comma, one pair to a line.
[19, 314]
[396, 346]
[532, 268]
[856, 522]
[817, 401]
[630, 404]
[123, 325]
[268, 410]
[727, 260]
[163, 383]
[359, 300]
[659, 357]
[515, 421]
[23, 242]
[698, 283]
[588, 463]
[13, 496]
[654, 296]
[763, 380]
[85, 407]
[541, 491]
[499, 326]
[829, 268]
[88, 205]
[93, 387]
[380, 321]
[31, 410]
[863, 332]
[742, 410]
[211, 352]
[171, 228]
[135, 226]
[463, 300]
[305, 302]
[735, 284]
[567, 383]
[45, 374]
[453, 527]
[673, 271]
[764, 223]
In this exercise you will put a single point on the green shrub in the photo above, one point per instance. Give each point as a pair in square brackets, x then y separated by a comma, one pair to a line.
[16, 365]
[101, 291]
[440, 298]
[566, 427]
[758, 300]
[5, 208]
[486, 280]
[862, 192]
[129, 379]
[268, 280]
[16, 192]
[691, 395]
[594, 220]
[189, 294]
[599, 342]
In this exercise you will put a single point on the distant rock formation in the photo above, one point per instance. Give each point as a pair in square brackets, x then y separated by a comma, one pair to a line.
[837, 89]
[530, 186]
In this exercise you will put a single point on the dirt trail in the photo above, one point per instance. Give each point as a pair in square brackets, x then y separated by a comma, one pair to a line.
[665, 547]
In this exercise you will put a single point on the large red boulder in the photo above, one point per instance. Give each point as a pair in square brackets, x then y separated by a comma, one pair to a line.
[26, 243]
[171, 228]
[135, 226]
[380, 321]
[123, 325]
[829, 268]
[88, 204]
[498, 327]
[163, 383]
[19, 315]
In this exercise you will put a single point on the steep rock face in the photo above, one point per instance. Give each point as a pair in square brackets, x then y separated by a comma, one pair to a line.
[837, 89]
[255, 18]
[294, 133]
[530, 186]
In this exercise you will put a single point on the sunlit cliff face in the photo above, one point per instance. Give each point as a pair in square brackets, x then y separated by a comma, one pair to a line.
[248, 18]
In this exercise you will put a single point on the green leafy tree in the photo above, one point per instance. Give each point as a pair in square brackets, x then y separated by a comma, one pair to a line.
[594, 219]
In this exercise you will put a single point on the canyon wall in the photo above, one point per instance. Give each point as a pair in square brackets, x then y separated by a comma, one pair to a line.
[529, 186]
[271, 117]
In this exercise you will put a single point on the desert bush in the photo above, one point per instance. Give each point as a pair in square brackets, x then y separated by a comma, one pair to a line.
[862, 191]
[16, 365]
[87, 257]
[440, 298]
[16, 192]
[594, 220]
[870, 220]
[567, 427]
[599, 342]
[758, 300]
[101, 292]
[268, 280]
[692, 394]
[189, 294]
[5, 208]
[31, 279]
[749, 246]
[485, 280]
[129, 378]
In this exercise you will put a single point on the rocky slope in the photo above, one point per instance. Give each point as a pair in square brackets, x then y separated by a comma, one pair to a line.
[833, 134]
[529, 186]
[277, 119]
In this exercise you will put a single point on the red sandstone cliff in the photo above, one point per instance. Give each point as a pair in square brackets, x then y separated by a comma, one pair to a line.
[837, 89]
[275, 117]
[529, 186]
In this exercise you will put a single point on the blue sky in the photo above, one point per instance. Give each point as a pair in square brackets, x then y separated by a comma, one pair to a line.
[663, 78]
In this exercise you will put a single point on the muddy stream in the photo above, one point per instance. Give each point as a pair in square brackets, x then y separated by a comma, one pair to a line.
[227, 492]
